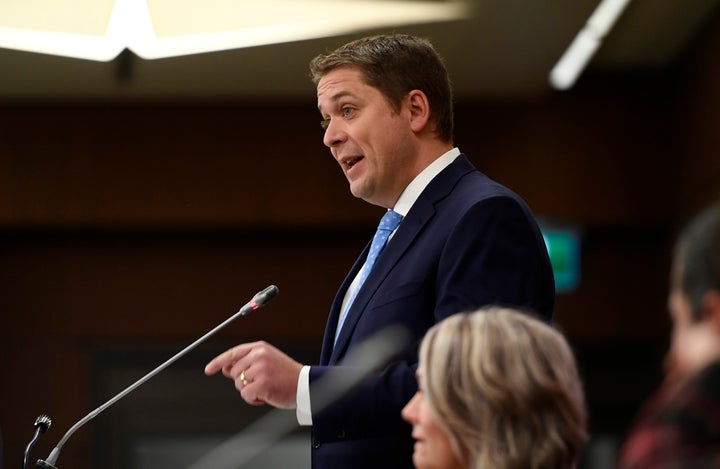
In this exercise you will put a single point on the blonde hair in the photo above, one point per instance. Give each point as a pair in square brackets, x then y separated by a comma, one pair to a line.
[506, 388]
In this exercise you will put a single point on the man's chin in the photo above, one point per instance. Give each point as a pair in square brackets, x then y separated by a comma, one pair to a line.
[357, 190]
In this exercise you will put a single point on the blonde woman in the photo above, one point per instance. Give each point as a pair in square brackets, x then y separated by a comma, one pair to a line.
[498, 389]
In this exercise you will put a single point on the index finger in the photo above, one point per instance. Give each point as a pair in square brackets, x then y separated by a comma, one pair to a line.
[226, 358]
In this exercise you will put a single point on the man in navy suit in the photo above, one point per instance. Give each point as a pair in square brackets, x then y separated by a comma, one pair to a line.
[464, 241]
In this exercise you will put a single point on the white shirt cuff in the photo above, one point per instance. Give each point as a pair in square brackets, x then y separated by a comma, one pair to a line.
[303, 411]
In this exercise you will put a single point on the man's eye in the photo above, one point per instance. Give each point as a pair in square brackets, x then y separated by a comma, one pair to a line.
[324, 124]
[347, 112]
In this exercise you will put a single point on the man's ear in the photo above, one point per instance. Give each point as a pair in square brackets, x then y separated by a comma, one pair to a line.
[710, 305]
[419, 108]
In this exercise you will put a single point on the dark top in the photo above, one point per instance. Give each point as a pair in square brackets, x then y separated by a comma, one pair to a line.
[678, 428]
[466, 242]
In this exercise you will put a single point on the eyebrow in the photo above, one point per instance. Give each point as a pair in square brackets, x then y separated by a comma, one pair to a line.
[336, 97]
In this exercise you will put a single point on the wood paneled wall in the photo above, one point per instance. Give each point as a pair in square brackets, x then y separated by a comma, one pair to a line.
[152, 222]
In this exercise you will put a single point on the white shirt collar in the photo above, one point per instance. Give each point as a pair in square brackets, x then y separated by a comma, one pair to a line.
[415, 188]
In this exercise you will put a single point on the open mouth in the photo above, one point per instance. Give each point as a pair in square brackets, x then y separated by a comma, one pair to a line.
[350, 162]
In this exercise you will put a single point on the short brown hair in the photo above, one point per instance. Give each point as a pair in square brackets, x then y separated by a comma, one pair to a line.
[697, 258]
[397, 64]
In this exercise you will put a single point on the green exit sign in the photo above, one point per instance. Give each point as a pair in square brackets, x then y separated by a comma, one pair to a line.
[563, 245]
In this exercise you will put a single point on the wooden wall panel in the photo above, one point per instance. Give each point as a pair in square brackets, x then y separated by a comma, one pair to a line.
[149, 223]
[698, 124]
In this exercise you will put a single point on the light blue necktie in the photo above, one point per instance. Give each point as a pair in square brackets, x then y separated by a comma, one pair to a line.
[387, 225]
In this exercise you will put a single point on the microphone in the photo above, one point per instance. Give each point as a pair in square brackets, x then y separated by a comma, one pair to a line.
[258, 301]
[42, 423]
[373, 354]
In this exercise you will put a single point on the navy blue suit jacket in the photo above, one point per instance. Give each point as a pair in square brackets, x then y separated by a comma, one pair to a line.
[466, 242]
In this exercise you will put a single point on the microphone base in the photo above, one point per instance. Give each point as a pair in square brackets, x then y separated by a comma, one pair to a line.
[40, 464]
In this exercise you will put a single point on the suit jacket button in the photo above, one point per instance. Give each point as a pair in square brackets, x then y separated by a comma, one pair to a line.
[340, 434]
[316, 444]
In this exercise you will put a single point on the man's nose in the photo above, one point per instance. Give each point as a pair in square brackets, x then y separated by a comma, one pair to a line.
[334, 135]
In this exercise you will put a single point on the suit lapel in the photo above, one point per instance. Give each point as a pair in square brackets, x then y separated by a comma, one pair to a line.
[414, 222]
[400, 242]
[331, 326]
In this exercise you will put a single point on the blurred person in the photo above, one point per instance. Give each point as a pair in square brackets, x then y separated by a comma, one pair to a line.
[497, 388]
[451, 240]
[679, 425]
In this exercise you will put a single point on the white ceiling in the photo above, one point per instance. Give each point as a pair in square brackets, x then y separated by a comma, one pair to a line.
[504, 51]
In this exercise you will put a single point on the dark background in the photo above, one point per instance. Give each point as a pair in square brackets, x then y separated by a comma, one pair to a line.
[128, 228]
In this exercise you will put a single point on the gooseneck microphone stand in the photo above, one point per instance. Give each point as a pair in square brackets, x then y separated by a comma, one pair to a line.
[42, 423]
[258, 301]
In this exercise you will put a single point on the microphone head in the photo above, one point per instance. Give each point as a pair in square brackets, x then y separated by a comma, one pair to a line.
[42, 423]
[262, 298]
